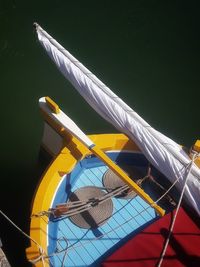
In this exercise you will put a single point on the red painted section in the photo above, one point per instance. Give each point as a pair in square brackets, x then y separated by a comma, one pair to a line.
[144, 249]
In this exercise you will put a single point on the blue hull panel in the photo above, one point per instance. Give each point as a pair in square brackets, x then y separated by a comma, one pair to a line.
[88, 247]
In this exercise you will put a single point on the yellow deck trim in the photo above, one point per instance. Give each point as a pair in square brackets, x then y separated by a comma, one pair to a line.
[196, 146]
[63, 164]
[52, 105]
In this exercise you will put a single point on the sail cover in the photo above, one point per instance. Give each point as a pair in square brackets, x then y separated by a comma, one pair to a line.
[162, 152]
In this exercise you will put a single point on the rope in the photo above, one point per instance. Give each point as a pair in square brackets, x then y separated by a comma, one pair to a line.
[177, 210]
[85, 205]
[73, 247]
[112, 230]
[41, 250]
[76, 207]
[96, 238]
[104, 198]
[91, 203]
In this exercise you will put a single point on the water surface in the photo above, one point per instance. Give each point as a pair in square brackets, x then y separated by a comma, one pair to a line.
[146, 51]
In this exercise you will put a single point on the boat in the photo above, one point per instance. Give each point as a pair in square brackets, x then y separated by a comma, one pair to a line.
[104, 199]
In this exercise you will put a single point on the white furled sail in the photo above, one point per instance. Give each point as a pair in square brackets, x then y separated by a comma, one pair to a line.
[162, 152]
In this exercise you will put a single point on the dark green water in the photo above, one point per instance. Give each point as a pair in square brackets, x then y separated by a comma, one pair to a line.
[148, 52]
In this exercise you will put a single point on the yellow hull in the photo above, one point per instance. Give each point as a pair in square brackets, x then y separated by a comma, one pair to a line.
[63, 163]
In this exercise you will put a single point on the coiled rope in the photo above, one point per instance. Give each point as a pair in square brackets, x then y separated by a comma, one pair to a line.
[75, 207]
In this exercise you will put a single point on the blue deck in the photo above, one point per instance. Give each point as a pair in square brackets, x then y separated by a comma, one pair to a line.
[89, 247]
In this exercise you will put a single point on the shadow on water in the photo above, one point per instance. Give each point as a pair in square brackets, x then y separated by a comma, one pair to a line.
[18, 185]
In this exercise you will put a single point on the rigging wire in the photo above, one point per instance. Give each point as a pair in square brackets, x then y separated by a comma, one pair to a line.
[41, 250]
[189, 167]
